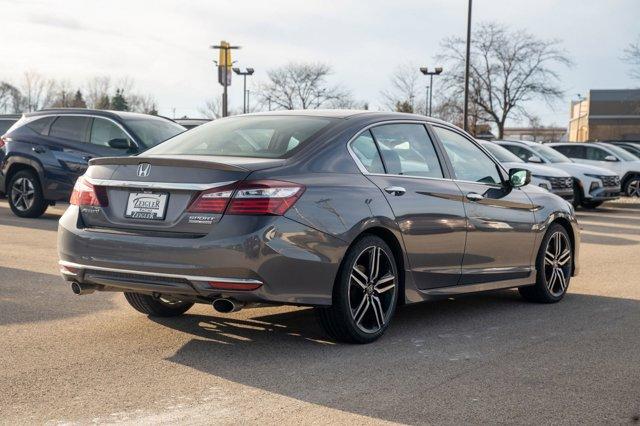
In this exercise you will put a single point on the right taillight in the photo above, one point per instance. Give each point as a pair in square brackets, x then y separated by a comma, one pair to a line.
[86, 194]
[2, 141]
[257, 197]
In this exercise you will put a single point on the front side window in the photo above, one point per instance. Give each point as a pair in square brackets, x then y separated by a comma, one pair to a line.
[550, 154]
[407, 150]
[365, 149]
[151, 131]
[596, 154]
[501, 153]
[522, 153]
[253, 136]
[72, 128]
[469, 162]
[103, 131]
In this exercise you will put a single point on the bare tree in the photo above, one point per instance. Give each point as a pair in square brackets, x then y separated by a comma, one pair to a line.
[98, 91]
[212, 108]
[145, 104]
[37, 91]
[632, 57]
[507, 69]
[10, 98]
[406, 93]
[301, 86]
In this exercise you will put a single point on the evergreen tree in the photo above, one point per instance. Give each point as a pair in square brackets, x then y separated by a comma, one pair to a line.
[78, 100]
[119, 102]
[404, 106]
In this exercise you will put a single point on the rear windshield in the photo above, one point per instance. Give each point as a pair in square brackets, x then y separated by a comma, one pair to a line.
[259, 137]
[151, 131]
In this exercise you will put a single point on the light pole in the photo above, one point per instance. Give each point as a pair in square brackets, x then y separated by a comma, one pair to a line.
[465, 112]
[223, 71]
[244, 74]
[425, 71]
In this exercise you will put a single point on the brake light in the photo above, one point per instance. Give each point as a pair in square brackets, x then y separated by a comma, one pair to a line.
[264, 197]
[86, 194]
[2, 141]
[212, 201]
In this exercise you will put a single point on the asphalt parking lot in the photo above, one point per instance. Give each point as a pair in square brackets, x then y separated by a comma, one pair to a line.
[487, 358]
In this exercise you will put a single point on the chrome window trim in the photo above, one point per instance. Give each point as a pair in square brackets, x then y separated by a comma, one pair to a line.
[159, 274]
[136, 143]
[158, 185]
[365, 172]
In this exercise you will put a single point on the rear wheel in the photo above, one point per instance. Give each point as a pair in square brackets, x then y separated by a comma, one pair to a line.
[365, 293]
[157, 307]
[554, 265]
[25, 195]
[632, 186]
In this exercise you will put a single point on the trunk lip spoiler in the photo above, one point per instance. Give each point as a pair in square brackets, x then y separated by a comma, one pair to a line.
[157, 185]
[162, 161]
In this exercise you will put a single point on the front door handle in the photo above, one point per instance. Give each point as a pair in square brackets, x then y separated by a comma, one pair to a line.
[472, 196]
[395, 190]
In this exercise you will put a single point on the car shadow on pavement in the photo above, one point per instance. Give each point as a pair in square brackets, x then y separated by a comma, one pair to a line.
[27, 296]
[46, 222]
[462, 355]
[605, 240]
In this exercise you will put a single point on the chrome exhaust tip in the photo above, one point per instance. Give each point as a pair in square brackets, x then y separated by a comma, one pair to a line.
[226, 306]
[81, 289]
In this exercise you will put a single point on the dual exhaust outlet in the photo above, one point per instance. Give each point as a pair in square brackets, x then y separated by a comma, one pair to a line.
[222, 305]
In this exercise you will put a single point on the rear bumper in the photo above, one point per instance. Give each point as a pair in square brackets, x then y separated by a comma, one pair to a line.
[293, 263]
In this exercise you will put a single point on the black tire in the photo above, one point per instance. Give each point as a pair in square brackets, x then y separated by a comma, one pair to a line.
[591, 204]
[358, 306]
[154, 307]
[547, 289]
[25, 195]
[577, 193]
[632, 186]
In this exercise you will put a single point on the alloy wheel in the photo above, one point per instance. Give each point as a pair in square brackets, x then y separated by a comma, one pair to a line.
[372, 289]
[23, 194]
[633, 188]
[557, 263]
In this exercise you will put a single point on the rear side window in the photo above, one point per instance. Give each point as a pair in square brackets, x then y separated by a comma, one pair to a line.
[5, 124]
[407, 150]
[595, 154]
[41, 125]
[252, 136]
[365, 149]
[102, 131]
[71, 128]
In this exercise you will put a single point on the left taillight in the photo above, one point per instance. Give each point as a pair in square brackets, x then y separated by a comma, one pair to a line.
[86, 194]
[3, 141]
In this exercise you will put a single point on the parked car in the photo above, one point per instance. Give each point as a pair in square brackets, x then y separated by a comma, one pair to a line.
[349, 212]
[553, 180]
[592, 185]
[43, 153]
[190, 123]
[7, 121]
[607, 156]
[631, 146]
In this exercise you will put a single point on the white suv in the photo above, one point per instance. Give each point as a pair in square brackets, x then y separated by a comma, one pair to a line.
[593, 185]
[608, 156]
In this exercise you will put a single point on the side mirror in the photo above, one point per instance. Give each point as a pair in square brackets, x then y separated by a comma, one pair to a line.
[610, 158]
[119, 143]
[534, 159]
[519, 177]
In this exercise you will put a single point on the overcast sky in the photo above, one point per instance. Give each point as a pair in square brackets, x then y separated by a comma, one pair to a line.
[164, 45]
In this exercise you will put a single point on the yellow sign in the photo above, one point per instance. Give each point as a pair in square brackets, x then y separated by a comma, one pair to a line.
[225, 55]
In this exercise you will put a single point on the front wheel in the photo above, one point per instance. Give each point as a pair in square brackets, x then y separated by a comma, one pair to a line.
[632, 187]
[365, 293]
[554, 265]
[157, 307]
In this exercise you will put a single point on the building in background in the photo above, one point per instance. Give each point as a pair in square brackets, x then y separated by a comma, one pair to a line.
[535, 134]
[606, 115]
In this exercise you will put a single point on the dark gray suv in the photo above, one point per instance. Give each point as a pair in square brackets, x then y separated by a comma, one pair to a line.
[350, 212]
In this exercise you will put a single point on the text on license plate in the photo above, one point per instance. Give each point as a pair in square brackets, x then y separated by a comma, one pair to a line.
[147, 205]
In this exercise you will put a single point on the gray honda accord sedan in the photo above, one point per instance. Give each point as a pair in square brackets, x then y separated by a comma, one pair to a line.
[351, 212]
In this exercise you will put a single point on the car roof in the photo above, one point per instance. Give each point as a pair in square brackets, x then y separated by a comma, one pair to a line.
[347, 114]
[519, 142]
[97, 112]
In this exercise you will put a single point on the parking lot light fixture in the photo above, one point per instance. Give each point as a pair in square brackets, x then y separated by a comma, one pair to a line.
[425, 71]
[244, 74]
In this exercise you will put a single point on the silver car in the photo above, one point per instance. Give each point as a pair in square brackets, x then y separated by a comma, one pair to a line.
[353, 213]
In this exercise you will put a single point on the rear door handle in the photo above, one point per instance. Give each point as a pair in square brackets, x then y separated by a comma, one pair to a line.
[395, 190]
[472, 196]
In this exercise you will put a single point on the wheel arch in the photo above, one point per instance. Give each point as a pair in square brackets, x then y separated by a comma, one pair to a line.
[625, 179]
[16, 164]
[566, 224]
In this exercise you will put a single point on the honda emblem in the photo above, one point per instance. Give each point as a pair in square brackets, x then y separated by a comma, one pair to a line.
[144, 169]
